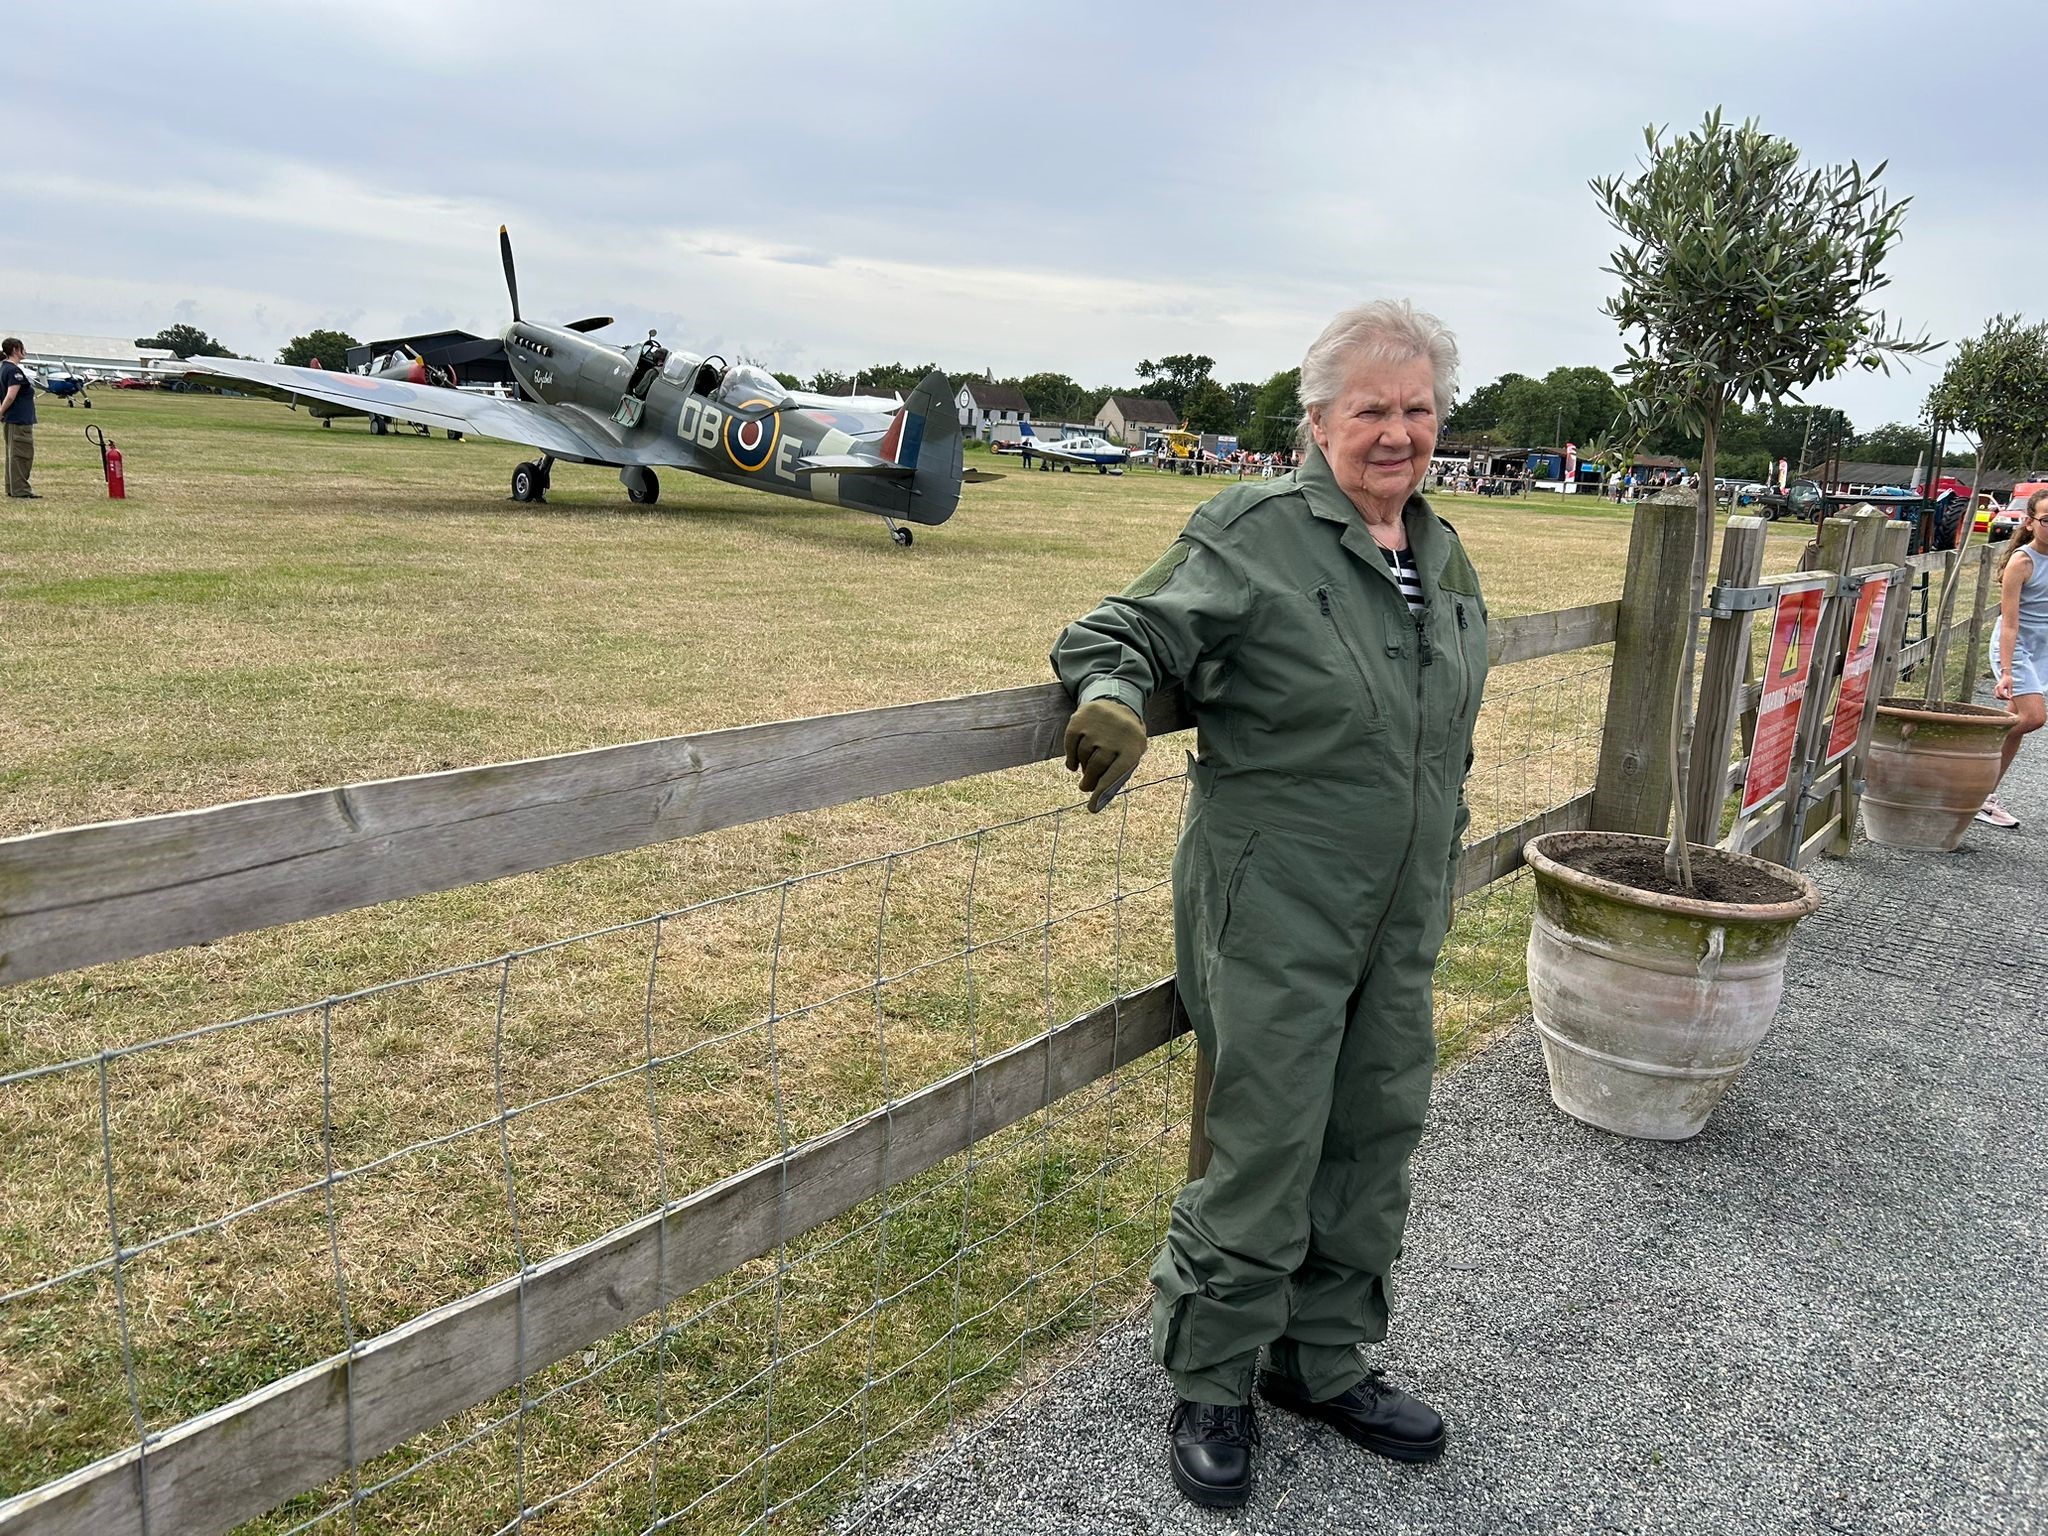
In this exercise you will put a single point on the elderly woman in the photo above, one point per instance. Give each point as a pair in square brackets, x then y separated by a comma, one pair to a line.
[1329, 636]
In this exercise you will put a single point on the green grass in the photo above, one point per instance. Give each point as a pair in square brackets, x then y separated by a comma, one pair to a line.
[279, 606]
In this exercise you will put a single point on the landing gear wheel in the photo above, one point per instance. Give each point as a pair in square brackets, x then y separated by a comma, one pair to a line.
[642, 488]
[529, 483]
[86, 403]
[901, 536]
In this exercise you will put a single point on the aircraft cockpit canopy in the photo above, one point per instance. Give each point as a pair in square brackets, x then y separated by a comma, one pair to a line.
[744, 385]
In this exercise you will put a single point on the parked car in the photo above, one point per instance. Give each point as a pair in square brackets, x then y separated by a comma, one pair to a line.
[130, 381]
[2004, 524]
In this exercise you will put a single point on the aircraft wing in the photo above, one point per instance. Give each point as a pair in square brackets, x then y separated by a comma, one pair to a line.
[428, 405]
[1040, 449]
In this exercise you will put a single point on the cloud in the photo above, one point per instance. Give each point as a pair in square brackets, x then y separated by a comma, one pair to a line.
[934, 185]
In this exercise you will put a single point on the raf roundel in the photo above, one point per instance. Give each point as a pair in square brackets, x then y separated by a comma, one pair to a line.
[750, 440]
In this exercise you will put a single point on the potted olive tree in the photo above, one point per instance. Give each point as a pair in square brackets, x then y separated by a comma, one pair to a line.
[1932, 762]
[1655, 966]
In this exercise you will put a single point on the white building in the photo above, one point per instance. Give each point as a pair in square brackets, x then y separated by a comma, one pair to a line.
[1127, 418]
[87, 355]
[991, 412]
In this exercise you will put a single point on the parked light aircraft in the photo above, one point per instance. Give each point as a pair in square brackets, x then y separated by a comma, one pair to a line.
[1069, 451]
[60, 382]
[401, 363]
[646, 407]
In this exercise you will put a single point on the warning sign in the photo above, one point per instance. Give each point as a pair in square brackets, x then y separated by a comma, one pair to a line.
[1864, 627]
[1794, 623]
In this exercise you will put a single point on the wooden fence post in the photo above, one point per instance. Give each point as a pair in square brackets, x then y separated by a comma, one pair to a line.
[1892, 539]
[1937, 653]
[1892, 548]
[1632, 790]
[1721, 674]
[1973, 651]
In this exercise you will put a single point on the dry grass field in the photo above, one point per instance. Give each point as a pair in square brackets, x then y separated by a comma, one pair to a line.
[279, 606]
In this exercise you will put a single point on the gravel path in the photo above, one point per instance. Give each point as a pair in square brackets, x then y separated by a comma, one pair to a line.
[1829, 1312]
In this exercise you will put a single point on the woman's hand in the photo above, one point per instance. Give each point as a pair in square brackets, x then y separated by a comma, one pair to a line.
[2002, 689]
[1104, 742]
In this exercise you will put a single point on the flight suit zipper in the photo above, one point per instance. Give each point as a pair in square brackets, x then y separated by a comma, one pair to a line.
[1372, 947]
[1372, 703]
[1465, 684]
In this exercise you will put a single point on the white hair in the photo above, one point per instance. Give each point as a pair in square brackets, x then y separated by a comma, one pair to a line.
[1384, 331]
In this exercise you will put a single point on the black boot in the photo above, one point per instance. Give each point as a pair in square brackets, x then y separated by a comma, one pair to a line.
[1374, 1414]
[1215, 1452]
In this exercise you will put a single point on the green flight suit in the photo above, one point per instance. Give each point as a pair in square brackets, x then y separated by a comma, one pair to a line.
[1312, 890]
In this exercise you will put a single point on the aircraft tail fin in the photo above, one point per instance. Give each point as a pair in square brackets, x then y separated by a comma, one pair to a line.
[1024, 431]
[926, 433]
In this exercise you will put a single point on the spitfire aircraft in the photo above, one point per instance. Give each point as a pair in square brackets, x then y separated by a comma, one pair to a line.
[646, 407]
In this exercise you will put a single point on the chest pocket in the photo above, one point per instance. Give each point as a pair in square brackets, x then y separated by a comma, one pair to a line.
[1337, 638]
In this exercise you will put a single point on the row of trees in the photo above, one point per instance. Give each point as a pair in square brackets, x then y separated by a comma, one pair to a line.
[1582, 405]
[1261, 415]
[328, 348]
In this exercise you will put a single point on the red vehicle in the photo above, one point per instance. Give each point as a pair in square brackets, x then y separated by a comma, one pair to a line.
[129, 381]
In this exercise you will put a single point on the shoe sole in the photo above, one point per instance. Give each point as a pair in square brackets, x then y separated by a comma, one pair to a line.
[1203, 1494]
[1379, 1445]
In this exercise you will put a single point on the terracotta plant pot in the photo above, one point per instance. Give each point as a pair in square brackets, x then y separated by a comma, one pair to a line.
[1649, 1005]
[1929, 770]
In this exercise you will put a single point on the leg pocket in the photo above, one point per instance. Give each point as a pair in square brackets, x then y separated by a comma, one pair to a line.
[1233, 887]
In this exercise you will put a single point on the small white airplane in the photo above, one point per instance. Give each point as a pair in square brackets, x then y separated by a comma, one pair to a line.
[1069, 451]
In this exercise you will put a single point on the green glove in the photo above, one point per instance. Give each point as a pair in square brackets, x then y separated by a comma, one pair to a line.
[1104, 741]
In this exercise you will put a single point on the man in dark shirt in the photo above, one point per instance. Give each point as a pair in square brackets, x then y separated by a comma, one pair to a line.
[17, 417]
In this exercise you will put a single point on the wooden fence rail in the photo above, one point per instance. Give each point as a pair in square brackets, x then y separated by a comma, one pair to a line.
[120, 889]
[116, 890]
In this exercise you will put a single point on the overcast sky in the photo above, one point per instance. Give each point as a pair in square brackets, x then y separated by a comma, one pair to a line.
[823, 186]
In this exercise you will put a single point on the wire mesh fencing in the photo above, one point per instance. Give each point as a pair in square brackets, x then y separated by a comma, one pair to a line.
[193, 1217]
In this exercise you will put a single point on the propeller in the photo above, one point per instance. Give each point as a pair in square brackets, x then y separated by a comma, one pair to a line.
[511, 278]
[594, 323]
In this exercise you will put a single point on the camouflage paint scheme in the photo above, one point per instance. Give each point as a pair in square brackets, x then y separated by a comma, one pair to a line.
[644, 407]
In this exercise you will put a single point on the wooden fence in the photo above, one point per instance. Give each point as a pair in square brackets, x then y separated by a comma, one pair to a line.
[89, 895]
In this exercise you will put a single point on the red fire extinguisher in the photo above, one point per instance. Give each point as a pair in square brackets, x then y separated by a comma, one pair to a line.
[110, 464]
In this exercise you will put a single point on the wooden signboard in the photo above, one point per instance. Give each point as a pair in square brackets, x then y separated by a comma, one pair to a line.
[1866, 626]
[1795, 622]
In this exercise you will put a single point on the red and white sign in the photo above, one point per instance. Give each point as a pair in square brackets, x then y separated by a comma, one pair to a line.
[1571, 463]
[1794, 623]
[1864, 627]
